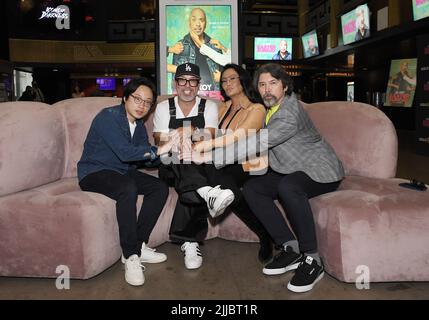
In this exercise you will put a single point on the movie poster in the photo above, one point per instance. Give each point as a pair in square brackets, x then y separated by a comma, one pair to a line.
[188, 27]
[402, 83]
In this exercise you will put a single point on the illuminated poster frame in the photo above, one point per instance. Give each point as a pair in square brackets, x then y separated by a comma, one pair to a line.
[402, 83]
[174, 26]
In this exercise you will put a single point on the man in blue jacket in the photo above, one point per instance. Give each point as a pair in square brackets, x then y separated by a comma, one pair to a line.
[116, 143]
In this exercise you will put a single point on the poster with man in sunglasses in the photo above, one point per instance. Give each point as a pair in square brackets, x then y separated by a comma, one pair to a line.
[205, 34]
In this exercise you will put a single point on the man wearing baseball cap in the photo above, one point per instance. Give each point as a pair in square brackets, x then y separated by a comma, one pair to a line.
[188, 69]
[188, 114]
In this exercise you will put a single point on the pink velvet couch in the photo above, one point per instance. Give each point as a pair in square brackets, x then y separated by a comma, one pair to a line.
[47, 221]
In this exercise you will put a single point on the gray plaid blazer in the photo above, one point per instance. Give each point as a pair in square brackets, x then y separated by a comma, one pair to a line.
[293, 144]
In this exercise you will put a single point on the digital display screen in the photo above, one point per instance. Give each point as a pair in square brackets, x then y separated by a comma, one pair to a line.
[272, 48]
[106, 83]
[355, 24]
[310, 44]
[420, 9]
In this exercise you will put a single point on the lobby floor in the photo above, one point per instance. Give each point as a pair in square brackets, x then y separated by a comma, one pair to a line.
[230, 271]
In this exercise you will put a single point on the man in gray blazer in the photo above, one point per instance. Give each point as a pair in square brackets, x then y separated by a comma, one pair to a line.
[302, 165]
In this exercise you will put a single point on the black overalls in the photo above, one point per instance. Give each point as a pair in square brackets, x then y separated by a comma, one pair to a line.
[190, 216]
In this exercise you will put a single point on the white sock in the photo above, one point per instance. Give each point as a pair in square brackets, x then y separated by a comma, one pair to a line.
[203, 191]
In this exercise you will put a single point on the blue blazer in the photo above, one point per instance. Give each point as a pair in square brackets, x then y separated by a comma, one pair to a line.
[109, 145]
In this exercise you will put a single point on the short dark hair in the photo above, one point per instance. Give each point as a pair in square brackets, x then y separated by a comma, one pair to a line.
[134, 84]
[245, 81]
[276, 71]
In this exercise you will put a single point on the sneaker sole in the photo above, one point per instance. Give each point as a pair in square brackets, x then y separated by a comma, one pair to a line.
[274, 272]
[145, 261]
[300, 289]
[193, 267]
[136, 284]
[225, 203]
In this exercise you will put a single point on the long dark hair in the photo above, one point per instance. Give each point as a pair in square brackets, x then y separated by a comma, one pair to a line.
[276, 71]
[245, 81]
[134, 84]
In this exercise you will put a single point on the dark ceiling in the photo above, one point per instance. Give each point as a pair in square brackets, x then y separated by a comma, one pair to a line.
[256, 4]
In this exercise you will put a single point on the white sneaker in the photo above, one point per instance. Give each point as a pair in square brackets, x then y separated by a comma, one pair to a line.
[134, 271]
[149, 255]
[218, 200]
[193, 257]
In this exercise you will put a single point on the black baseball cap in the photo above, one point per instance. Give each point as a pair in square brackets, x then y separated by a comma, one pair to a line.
[188, 69]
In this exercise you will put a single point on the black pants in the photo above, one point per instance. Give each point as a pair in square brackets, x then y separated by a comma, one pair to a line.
[124, 188]
[234, 177]
[189, 221]
[294, 191]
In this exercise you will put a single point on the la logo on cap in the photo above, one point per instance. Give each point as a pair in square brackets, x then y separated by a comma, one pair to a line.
[188, 67]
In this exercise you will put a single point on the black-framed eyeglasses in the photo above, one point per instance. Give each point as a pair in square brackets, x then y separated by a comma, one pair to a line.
[192, 82]
[138, 100]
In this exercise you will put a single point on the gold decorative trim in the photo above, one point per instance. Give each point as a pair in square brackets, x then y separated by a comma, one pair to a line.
[48, 51]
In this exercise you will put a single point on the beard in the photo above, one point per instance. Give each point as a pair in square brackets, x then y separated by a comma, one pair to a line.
[270, 100]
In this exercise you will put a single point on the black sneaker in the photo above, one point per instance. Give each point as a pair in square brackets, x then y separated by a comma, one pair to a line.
[283, 262]
[306, 276]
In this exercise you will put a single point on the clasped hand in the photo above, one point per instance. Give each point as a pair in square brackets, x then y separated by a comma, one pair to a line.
[189, 154]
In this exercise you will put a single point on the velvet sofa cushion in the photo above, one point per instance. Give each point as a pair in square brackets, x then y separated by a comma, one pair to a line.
[58, 224]
[362, 136]
[375, 223]
[78, 114]
[32, 146]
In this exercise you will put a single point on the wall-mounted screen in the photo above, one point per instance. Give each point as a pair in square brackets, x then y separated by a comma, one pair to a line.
[355, 24]
[420, 9]
[203, 32]
[402, 83]
[22, 79]
[351, 91]
[106, 83]
[272, 48]
[310, 44]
